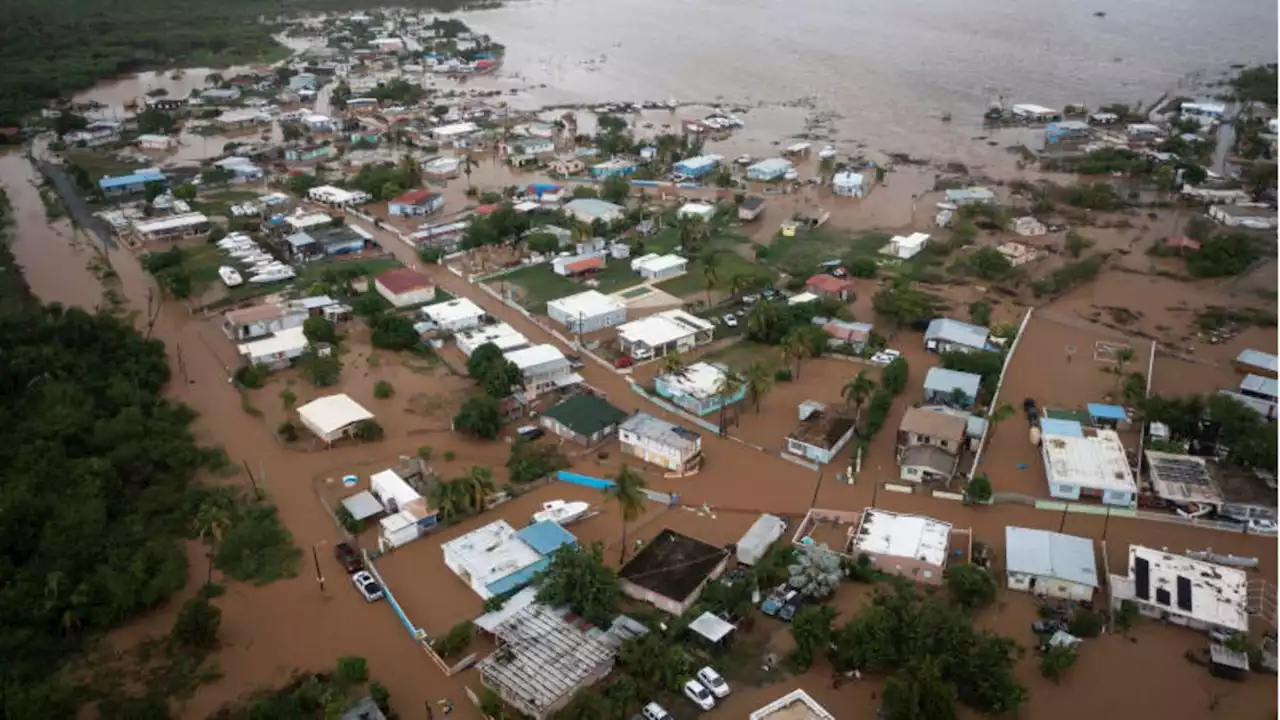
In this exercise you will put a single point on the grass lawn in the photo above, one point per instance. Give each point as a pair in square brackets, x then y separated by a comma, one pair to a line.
[219, 202]
[101, 163]
[800, 255]
[539, 283]
[729, 264]
[740, 355]
[313, 273]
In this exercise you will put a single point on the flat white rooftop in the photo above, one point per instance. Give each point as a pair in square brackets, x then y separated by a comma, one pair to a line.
[310, 220]
[283, 341]
[587, 304]
[795, 705]
[658, 263]
[502, 335]
[909, 536]
[699, 380]
[1098, 462]
[535, 356]
[665, 327]
[173, 222]
[452, 311]
[1180, 585]
[490, 553]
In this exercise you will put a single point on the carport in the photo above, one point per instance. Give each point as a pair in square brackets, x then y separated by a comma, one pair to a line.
[332, 417]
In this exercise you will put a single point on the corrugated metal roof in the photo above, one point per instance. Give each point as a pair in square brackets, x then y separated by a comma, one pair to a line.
[1257, 358]
[1050, 554]
[1260, 385]
[944, 380]
[959, 333]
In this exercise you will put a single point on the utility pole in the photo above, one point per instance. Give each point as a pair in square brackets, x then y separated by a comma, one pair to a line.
[253, 481]
[315, 556]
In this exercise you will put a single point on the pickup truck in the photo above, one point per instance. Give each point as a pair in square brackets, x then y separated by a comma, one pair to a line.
[774, 601]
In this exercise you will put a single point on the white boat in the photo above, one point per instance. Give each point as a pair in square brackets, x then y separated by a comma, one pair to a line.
[273, 275]
[827, 152]
[230, 276]
[245, 252]
[743, 159]
[791, 175]
[561, 512]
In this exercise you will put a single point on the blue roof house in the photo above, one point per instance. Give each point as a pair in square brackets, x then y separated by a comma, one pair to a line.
[132, 184]
[1107, 416]
[611, 168]
[946, 335]
[940, 386]
[543, 538]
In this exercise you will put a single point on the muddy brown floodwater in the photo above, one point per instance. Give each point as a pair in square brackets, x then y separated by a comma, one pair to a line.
[271, 631]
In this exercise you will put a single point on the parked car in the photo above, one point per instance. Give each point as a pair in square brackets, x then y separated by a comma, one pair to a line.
[530, 432]
[699, 695]
[1048, 627]
[624, 362]
[712, 681]
[1033, 413]
[750, 299]
[1262, 526]
[367, 586]
[731, 320]
[654, 711]
[774, 601]
[884, 357]
[790, 609]
[348, 557]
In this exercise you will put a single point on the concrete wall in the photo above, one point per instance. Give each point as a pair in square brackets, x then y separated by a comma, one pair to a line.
[1049, 587]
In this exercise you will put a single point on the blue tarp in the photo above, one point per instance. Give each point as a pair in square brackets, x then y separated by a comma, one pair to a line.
[1062, 428]
[1102, 411]
[546, 537]
[584, 480]
[517, 579]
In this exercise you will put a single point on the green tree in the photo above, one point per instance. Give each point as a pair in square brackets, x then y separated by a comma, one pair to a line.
[1075, 244]
[1057, 659]
[895, 375]
[673, 363]
[795, 348]
[394, 332]
[710, 262]
[479, 416]
[658, 666]
[319, 330]
[726, 389]
[980, 312]
[863, 267]
[970, 586]
[530, 461]
[759, 381]
[615, 189]
[811, 630]
[544, 243]
[455, 641]
[479, 484]
[627, 492]
[211, 523]
[1085, 623]
[1123, 357]
[1135, 389]
[452, 499]
[383, 389]
[989, 264]
[979, 489]
[903, 305]
[197, 624]
[321, 370]
[350, 671]
[578, 578]
[856, 390]
[185, 191]
[919, 692]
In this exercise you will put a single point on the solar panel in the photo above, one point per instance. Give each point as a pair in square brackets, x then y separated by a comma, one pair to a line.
[1162, 596]
[1184, 593]
[1185, 472]
[1142, 578]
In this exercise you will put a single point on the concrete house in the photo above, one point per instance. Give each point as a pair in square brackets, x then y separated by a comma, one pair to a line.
[830, 286]
[821, 434]
[769, 170]
[261, 321]
[588, 210]
[942, 386]
[1050, 564]
[497, 559]
[403, 287]
[453, 316]
[947, 335]
[695, 389]
[276, 351]
[929, 445]
[1184, 591]
[667, 331]
[658, 442]
[415, 203]
[1086, 462]
[613, 168]
[751, 207]
[583, 419]
[849, 183]
[587, 311]
[654, 267]
[672, 570]
[123, 186]
[544, 368]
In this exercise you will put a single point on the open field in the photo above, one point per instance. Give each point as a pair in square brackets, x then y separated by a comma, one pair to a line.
[536, 285]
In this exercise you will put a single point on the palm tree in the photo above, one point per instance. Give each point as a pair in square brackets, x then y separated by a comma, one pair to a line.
[759, 381]
[466, 169]
[710, 271]
[1124, 356]
[411, 170]
[762, 319]
[673, 363]
[795, 347]
[479, 485]
[738, 284]
[628, 492]
[856, 391]
[730, 383]
[211, 522]
[997, 416]
[449, 499]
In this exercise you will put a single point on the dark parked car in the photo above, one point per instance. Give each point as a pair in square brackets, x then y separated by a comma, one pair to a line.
[349, 558]
[789, 610]
[1047, 627]
[1033, 413]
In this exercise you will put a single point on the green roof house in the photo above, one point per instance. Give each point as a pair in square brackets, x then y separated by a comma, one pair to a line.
[584, 419]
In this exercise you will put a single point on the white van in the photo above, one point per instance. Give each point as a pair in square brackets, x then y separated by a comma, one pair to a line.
[654, 711]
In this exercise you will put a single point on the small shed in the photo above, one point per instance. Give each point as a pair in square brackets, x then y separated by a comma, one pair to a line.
[713, 629]
[1112, 417]
[751, 207]
[362, 506]
[332, 417]
[756, 541]
[1227, 663]
[941, 386]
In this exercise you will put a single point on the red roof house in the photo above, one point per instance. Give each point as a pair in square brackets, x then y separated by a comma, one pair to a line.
[830, 286]
[403, 287]
[1181, 242]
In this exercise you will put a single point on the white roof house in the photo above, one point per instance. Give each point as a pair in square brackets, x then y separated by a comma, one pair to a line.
[394, 493]
[906, 246]
[795, 705]
[1050, 563]
[531, 357]
[488, 554]
[169, 226]
[454, 131]
[502, 335]
[675, 328]
[700, 380]
[308, 220]
[849, 183]
[656, 266]
[1080, 460]
[332, 416]
[587, 311]
[276, 350]
[457, 314]
[1186, 591]
[909, 545]
[704, 211]
[331, 195]
[588, 210]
